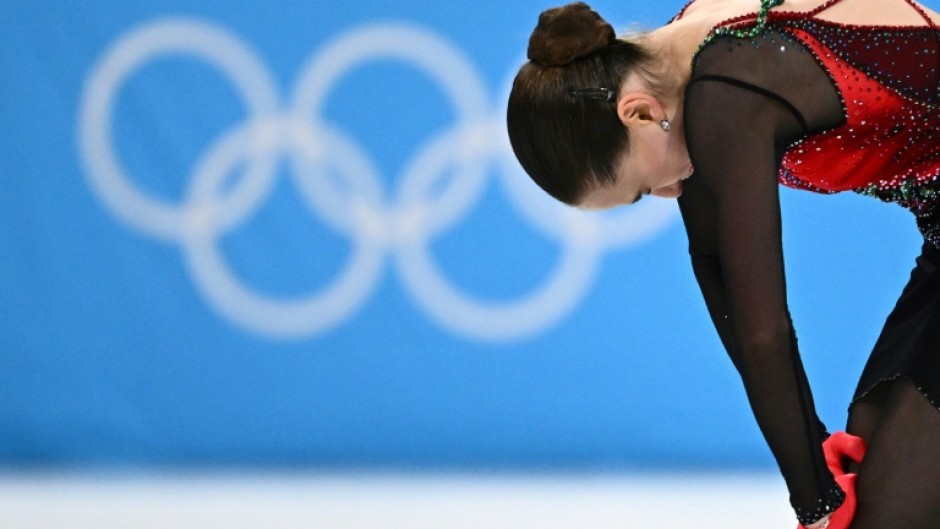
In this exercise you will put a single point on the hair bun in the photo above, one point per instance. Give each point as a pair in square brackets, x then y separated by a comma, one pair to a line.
[566, 33]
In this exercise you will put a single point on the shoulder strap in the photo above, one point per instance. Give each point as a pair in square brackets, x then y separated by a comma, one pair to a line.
[758, 89]
[922, 13]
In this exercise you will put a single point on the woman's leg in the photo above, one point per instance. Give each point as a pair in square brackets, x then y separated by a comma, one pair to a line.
[865, 414]
[899, 479]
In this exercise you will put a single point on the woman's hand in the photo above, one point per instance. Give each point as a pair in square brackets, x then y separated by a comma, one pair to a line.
[823, 523]
[841, 448]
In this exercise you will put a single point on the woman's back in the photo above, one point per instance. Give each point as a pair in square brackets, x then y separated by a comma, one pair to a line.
[700, 17]
[855, 12]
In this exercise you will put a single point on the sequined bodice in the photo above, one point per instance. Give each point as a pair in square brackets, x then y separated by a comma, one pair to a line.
[888, 145]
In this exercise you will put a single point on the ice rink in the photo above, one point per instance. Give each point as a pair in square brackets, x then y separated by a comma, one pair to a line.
[703, 501]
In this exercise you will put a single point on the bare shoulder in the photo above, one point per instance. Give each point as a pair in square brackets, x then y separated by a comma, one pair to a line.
[710, 8]
[714, 11]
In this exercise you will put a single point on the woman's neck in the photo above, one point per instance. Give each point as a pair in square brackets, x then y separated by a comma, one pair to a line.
[672, 48]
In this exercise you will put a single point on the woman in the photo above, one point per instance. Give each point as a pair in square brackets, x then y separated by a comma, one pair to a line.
[833, 96]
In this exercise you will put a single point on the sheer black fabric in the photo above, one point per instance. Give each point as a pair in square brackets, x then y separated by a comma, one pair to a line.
[746, 102]
[899, 479]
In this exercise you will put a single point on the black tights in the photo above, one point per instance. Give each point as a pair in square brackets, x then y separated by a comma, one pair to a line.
[899, 479]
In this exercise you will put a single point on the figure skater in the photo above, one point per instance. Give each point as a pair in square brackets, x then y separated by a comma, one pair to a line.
[717, 107]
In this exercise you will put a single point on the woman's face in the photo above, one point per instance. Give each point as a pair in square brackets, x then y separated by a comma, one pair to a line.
[655, 164]
[653, 167]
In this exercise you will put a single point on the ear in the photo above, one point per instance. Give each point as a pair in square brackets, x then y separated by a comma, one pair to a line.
[638, 108]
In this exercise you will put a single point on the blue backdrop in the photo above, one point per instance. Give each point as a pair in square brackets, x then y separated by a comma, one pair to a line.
[289, 233]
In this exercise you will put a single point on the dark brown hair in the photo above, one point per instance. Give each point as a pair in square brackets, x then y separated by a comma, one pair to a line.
[564, 131]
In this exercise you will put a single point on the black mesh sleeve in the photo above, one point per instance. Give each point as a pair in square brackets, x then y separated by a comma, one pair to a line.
[744, 104]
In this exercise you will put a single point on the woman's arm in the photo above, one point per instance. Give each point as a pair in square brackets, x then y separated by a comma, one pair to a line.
[698, 214]
[732, 214]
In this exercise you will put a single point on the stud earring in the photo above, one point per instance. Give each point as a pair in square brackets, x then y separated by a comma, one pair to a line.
[665, 125]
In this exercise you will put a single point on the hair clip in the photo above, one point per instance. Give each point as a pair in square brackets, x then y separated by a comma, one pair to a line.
[600, 94]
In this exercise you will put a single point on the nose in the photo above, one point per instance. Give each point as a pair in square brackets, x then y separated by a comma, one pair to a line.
[672, 190]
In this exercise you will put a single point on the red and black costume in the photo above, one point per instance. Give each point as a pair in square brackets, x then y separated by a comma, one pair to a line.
[790, 98]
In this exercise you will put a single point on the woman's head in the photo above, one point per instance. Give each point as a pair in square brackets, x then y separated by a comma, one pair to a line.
[568, 118]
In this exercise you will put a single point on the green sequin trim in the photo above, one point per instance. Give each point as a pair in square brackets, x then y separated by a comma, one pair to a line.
[910, 193]
[753, 31]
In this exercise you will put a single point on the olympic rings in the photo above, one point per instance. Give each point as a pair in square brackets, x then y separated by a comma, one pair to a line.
[401, 224]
